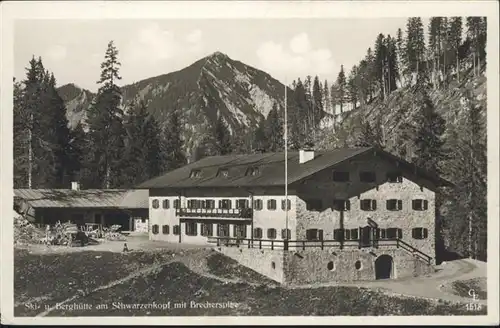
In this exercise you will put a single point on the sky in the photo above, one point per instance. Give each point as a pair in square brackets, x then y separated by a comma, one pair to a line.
[285, 48]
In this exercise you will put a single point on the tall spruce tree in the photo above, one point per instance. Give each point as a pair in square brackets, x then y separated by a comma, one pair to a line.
[455, 41]
[327, 103]
[317, 97]
[341, 88]
[380, 66]
[106, 132]
[222, 137]
[174, 155]
[274, 130]
[415, 49]
[352, 86]
[260, 143]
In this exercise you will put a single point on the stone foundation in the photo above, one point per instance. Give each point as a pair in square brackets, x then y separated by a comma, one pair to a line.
[321, 266]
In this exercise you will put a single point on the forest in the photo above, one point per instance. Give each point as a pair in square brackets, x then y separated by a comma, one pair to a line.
[122, 145]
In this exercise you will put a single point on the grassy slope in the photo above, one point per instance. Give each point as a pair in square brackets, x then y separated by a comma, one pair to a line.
[39, 275]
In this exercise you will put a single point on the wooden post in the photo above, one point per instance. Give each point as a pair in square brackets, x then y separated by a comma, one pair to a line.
[272, 244]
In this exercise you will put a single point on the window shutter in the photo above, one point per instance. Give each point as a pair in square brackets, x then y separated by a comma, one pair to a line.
[374, 204]
[426, 204]
[268, 204]
[400, 204]
[425, 232]
[320, 234]
[400, 233]
[348, 205]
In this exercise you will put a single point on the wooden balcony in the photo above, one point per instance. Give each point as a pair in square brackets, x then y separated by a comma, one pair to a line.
[236, 213]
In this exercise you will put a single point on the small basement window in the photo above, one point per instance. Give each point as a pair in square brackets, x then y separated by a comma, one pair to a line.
[367, 176]
[330, 266]
[419, 233]
[419, 204]
[339, 176]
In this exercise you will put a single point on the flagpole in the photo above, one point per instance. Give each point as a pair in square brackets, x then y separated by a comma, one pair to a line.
[286, 165]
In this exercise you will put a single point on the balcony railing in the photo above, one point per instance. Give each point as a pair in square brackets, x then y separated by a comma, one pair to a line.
[303, 244]
[240, 213]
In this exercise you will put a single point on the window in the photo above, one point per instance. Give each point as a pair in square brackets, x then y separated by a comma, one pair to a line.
[339, 176]
[283, 204]
[357, 265]
[143, 220]
[419, 204]
[195, 174]
[314, 234]
[314, 205]
[330, 266]
[271, 233]
[165, 203]
[257, 204]
[177, 203]
[271, 204]
[223, 230]
[165, 229]
[394, 177]
[368, 204]
[242, 203]
[240, 231]
[225, 204]
[253, 171]
[419, 233]
[391, 233]
[191, 228]
[338, 234]
[223, 173]
[394, 204]
[351, 234]
[257, 233]
[177, 230]
[367, 176]
[286, 234]
[209, 204]
[207, 229]
[341, 205]
[155, 229]
[156, 203]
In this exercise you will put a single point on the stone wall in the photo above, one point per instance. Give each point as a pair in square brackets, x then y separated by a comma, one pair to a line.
[259, 260]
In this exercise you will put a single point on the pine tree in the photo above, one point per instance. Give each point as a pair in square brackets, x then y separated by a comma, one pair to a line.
[352, 87]
[222, 137]
[400, 50]
[366, 136]
[370, 73]
[106, 131]
[455, 40]
[274, 130]
[392, 70]
[76, 152]
[415, 49]
[327, 103]
[318, 102]
[380, 65]
[341, 88]
[430, 127]
[476, 32]
[260, 143]
[174, 156]
[21, 137]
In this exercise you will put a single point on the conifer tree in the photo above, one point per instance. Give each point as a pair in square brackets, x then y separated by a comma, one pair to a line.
[392, 70]
[415, 49]
[174, 155]
[327, 103]
[380, 64]
[352, 87]
[77, 152]
[341, 88]
[260, 142]
[455, 41]
[222, 137]
[400, 50]
[106, 131]
[370, 73]
[318, 102]
[274, 130]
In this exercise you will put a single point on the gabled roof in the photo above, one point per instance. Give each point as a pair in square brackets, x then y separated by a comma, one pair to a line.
[87, 198]
[271, 169]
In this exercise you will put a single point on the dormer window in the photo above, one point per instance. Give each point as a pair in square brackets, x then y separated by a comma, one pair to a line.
[253, 171]
[195, 174]
[223, 173]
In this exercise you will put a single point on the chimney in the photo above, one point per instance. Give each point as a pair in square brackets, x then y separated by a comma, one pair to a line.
[75, 185]
[306, 154]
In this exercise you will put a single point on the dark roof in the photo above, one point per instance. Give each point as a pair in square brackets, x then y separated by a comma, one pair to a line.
[271, 169]
[86, 198]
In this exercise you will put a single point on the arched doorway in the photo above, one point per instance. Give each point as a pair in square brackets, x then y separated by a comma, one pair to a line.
[384, 267]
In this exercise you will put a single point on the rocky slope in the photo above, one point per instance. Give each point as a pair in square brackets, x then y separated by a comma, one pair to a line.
[243, 95]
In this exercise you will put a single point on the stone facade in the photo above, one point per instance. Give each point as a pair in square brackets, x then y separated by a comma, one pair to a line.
[320, 186]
